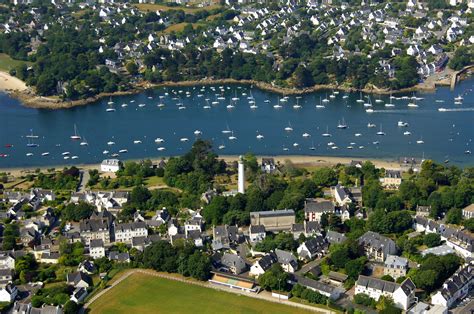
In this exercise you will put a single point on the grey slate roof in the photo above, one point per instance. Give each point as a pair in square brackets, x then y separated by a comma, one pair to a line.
[335, 237]
[315, 206]
[234, 260]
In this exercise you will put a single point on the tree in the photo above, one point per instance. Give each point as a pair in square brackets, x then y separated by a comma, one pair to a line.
[199, 266]
[469, 224]
[70, 307]
[462, 57]
[274, 279]
[454, 216]
[355, 267]
[387, 278]
[325, 177]
[303, 77]
[432, 239]
[132, 68]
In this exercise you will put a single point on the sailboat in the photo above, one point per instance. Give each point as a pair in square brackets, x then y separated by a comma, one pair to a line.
[327, 134]
[326, 99]
[110, 101]
[368, 104]
[289, 128]
[420, 141]
[31, 135]
[277, 106]
[378, 100]
[297, 105]
[230, 106]
[381, 133]
[259, 136]
[312, 146]
[31, 144]
[235, 98]
[390, 105]
[360, 100]
[232, 137]
[342, 125]
[207, 106]
[84, 142]
[75, 136]
[110, 108]
[226, 131]
[306, 135]
[320, 106]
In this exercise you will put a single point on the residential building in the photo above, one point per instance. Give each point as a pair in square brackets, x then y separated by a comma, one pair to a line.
[110, 165]
[456, 287]
[468, 212]
[274, 220]
[95, 229]
[125, 232]
[403, 295]
[311, 248]
[224, 237]
[96, 248]
[340, 195]
[79, 279]
[79, 294]
[395, 266]
[315, 208]
[263, 264]
[423, 211]
[392, 179]
[287, 260]
[268, 165]
[327, 290]
[256, 233]
[377, 247]
[8, 293]
[334, 237]
[234, 263]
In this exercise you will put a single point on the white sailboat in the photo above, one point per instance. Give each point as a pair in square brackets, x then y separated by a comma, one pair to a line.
[75, 136]
[232, 137]
[420, 141]
[342, 125]
[289, 128]
[320, 105]
[381, 133]
[360, 100]
[227, 130]
[277, 106]
[297, 105]
[31, 135]
[327, 134]
[84, 142]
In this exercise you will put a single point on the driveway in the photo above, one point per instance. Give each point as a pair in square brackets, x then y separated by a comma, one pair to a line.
[306, 268]
[84, 178]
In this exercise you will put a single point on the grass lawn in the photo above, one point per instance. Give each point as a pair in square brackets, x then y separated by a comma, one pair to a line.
[154, 181]
[153, 7]
[6, 62]
[141, 293]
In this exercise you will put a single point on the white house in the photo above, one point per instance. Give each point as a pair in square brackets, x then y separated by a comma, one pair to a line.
[403, 294]
[263, 264]
[257, 233]
[110, 165]
[96, 248]
[125, 232]
[456, 287]
[8, 293]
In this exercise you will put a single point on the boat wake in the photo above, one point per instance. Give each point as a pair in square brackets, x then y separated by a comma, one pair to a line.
[455, 109]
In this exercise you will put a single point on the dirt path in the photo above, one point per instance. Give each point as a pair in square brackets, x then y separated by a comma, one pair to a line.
[262, 295]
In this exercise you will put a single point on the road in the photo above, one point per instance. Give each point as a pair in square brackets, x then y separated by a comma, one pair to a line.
[84, 175]
[262, 295]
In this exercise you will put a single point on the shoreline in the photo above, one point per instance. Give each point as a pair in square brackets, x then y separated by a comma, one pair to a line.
[29, 99]
[297, 160]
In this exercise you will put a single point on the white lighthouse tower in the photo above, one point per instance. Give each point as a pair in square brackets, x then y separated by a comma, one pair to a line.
[241, 169]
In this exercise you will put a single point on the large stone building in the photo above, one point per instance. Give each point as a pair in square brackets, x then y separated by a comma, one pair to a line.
[274, 220]
[395, 266]
[377, 247]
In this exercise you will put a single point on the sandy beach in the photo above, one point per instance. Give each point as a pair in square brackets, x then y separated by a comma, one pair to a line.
[10, 83]
[297, 160]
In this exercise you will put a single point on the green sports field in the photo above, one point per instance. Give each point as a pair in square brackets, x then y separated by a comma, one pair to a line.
[141, 293]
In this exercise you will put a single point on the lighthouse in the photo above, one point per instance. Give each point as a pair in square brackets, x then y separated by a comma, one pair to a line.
[241, 170]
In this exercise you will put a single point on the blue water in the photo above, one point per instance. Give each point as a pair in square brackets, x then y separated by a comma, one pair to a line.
[446, 135]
